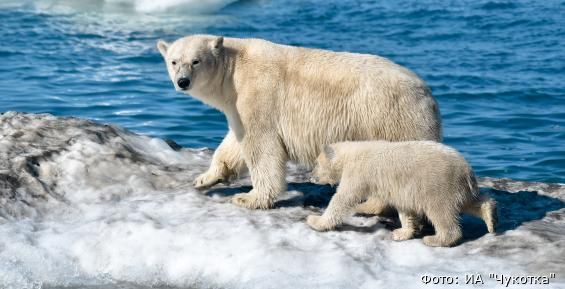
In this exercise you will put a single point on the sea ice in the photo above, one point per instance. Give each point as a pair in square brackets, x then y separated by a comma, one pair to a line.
[86, 205]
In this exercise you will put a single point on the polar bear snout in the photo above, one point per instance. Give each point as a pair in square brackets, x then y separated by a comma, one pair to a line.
[183, 83]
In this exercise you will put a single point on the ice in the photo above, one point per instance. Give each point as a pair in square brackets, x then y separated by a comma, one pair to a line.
[195, 5]
[86, 205]
[120, 6]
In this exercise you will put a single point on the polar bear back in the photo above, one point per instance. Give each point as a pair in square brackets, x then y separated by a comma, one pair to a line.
[315, 97]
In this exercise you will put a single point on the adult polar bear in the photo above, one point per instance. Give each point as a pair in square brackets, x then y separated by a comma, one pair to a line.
[285, 103]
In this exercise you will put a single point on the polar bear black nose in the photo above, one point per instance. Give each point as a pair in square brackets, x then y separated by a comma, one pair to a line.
[183, 82]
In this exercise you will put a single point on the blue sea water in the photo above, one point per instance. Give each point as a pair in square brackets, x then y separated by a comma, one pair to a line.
[497, 68]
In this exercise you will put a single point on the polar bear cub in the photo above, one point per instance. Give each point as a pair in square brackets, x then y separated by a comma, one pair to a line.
[418, 178]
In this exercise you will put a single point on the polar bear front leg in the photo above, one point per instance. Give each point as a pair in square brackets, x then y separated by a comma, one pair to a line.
[227, 161]
[341, 205]
[266, 159]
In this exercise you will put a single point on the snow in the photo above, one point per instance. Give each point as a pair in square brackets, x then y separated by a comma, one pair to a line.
[85, 205]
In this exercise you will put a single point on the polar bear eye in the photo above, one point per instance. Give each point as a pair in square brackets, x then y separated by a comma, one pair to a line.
[195, 62]
[174, 62]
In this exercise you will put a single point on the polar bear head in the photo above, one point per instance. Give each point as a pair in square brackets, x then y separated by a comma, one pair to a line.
[193, 62]
[326, 170]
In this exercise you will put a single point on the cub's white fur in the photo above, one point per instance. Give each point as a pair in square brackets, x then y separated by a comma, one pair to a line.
[285, 103]
[418, 178]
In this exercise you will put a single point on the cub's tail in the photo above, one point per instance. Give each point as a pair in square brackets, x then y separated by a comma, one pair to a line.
[485, 208]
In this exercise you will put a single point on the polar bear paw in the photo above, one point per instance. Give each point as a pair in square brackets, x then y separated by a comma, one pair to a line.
[318, 223]
[434, 241]
[441, 241]
[402, 234]
[251, 201]
[206, 180]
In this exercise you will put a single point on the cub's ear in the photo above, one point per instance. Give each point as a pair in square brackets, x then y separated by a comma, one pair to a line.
[330, 152]
[162, 46]
[217, 45]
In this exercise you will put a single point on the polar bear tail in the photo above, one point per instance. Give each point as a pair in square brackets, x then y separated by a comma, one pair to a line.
[485, 208]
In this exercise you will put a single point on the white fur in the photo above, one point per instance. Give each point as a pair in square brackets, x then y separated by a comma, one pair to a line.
[285, 103]
[418, 178]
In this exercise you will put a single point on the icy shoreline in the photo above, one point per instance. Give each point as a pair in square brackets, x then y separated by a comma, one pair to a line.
[85, 204]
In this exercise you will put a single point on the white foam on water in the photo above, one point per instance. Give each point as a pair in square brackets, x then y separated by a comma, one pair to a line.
[121, 6]
[119, 208]
[112, 19]
[197, 6]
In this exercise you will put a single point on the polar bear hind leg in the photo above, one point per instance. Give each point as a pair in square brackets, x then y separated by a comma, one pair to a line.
[447, 228]
[408, 226]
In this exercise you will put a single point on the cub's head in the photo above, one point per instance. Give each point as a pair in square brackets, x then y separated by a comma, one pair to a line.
[193, 61]
[326, 170]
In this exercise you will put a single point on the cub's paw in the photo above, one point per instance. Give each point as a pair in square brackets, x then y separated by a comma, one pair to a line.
[433, 241]
[206, 180]
[318, 223]
[251, 201]
[438, 241]
[402, 234]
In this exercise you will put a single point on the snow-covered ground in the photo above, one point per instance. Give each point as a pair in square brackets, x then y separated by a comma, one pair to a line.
[84, 205]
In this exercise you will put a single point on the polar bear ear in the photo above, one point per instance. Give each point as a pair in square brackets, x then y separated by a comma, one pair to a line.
[217, 45]
[162, 46]
[330, 152]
